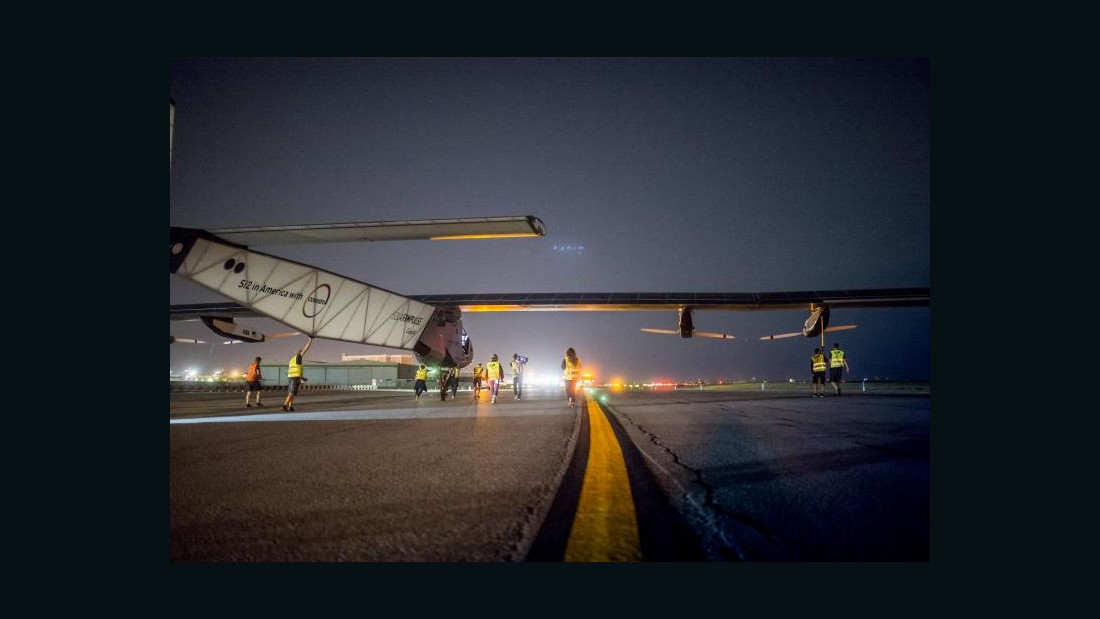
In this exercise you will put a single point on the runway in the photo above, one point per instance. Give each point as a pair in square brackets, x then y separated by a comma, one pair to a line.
[685, 475]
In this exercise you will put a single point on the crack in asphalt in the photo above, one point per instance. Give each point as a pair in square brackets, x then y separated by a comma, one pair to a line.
[709, 512]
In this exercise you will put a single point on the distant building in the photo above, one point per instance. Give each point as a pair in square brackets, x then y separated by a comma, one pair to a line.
[381, 374]
[391, 373]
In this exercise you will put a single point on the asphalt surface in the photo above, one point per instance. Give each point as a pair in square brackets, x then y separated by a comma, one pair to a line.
[710, 475]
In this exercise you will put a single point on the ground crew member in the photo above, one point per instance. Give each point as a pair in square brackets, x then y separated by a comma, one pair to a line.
[294, 376]
[495, 374]
[448, 381]
[479, 372]
[421, 384]
[253, 382]
[518, 364]
[570, 370]
[837, 364]
[817, 371]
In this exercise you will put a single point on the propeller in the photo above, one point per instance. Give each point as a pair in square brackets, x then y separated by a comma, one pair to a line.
[719, 336]
[814, 325]
[780, 336]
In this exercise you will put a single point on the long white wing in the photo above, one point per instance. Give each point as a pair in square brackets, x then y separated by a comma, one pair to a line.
[311, 300]
[435, 229]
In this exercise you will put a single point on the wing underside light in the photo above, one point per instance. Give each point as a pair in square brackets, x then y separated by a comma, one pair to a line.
[586, 301]
[423, 229]
[657, 301]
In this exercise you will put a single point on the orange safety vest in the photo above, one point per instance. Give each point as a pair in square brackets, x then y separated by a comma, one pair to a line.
[253, 373]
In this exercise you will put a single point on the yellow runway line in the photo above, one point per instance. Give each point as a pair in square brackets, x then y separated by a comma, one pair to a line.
[605, 527]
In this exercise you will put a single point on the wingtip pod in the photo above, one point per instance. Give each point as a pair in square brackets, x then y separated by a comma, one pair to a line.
[537, 225]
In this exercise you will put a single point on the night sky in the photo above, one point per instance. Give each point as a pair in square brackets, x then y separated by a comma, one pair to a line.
[650, 174]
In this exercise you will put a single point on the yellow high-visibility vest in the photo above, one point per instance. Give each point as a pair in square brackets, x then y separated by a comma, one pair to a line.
[421, 374]
[493, 371]
[571, 371]
[837, 360]
[819, 362]
[295, 369]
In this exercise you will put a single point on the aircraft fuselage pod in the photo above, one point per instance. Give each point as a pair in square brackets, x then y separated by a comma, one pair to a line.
[444, 342]
[685, 323]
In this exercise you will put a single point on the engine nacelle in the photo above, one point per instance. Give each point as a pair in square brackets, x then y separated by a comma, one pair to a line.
[444, 341]
[817, 322]
[687, 326]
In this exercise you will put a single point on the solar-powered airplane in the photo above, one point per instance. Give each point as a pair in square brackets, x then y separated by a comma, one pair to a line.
[319, 303]
[322, 304]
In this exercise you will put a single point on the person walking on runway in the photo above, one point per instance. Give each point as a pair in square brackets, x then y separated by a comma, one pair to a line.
[496, 375]
[294, 376]
[571, 370]
[837, 364]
